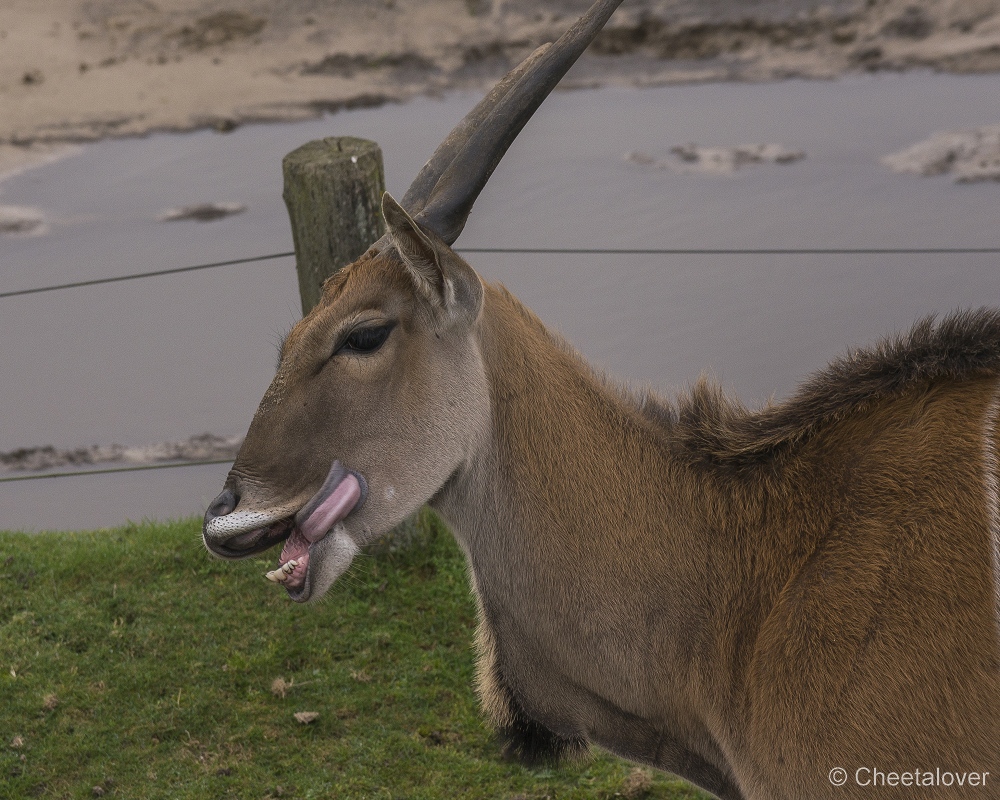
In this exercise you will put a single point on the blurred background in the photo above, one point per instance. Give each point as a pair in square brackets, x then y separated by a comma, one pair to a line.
[802, 178]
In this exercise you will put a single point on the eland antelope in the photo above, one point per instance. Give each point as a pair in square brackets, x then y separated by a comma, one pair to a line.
[752, 600]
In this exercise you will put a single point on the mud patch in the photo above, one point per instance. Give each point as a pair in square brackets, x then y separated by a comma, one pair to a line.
[138, 61]
[972, 156]
[203, 447]
[913, 23]
[21, 220]
[318, 107]
[717, 160]
[489, 59]
[664, 40]
[404, 67]
[202, 212]
[86, 130]
[986, 59]
[219, 29]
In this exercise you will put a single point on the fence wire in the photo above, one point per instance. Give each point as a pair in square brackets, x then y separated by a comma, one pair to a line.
[109, 470]
[640, 251]
[652, 251]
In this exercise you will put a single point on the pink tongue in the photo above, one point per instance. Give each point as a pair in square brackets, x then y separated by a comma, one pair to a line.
[337, 505]
[298, 548]
[333, 509]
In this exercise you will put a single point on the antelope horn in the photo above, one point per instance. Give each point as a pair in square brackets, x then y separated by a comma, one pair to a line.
[444, 191]
[420, 190]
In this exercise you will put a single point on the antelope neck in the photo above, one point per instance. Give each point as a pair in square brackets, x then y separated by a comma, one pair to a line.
[558, 484]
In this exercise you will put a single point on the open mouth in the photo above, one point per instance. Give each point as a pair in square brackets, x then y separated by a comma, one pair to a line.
[341, 493]
[244, 533]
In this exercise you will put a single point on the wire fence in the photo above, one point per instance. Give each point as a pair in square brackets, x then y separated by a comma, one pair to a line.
[652, 251]
[110, 470]
[641, 251]
[136, 275]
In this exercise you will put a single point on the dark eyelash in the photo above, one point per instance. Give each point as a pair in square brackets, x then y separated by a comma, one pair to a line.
[366, 340]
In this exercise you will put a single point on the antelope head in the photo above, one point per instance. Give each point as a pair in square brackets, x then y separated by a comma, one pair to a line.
[381, 397]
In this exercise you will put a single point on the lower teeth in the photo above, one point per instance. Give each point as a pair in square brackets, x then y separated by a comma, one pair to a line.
[283, 573]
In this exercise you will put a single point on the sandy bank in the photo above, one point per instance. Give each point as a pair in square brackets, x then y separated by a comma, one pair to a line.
[203, 447]
[76, 70]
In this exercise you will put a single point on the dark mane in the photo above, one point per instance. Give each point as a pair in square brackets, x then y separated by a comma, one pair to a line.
[712, 429]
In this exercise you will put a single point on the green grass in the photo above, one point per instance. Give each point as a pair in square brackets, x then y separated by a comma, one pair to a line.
[132, 662]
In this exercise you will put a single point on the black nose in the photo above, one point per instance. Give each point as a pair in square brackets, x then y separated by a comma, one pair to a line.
[224, 504]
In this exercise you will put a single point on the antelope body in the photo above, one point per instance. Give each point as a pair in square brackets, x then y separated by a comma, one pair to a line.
[746, 599]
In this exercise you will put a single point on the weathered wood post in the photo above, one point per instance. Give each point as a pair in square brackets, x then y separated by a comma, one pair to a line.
[333, 191]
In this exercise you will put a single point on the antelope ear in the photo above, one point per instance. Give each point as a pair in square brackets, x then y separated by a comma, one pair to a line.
[439, 273]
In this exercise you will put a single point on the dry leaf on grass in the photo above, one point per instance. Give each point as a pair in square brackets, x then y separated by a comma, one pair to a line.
[305, 717]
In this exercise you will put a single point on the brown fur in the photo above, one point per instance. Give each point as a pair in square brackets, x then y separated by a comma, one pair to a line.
[747, 599]
[815, 578]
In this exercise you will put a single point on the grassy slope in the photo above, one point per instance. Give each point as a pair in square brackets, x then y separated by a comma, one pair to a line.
[132, 662]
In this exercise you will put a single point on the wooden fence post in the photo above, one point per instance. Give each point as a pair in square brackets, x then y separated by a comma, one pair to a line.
[333, 191]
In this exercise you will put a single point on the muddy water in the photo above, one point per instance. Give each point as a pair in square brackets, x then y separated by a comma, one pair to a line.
[166, 357]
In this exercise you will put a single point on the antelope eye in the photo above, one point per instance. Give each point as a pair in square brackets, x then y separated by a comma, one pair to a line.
[366, 340]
